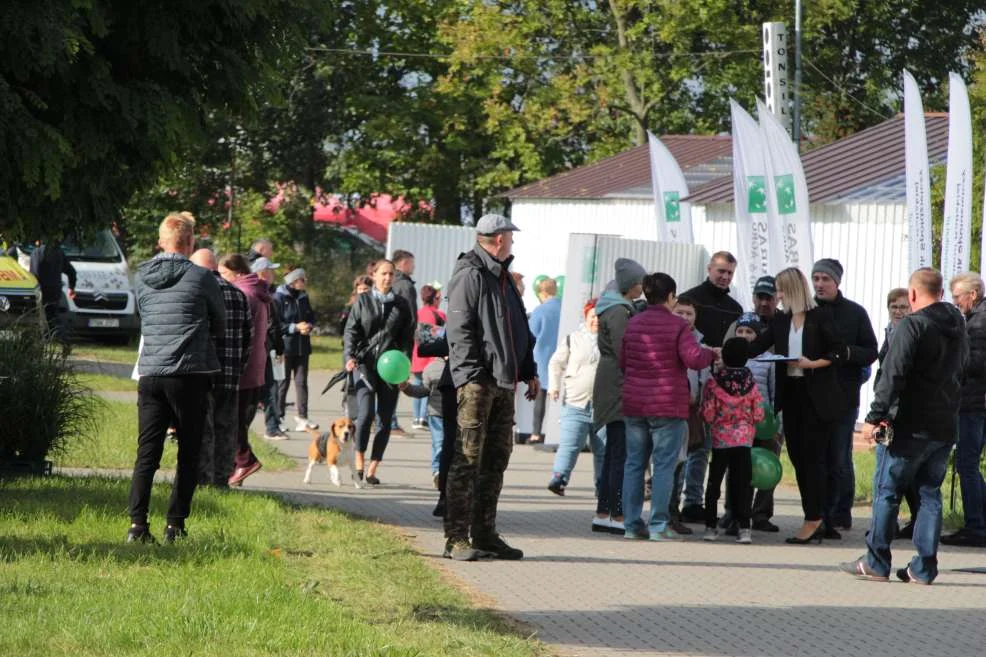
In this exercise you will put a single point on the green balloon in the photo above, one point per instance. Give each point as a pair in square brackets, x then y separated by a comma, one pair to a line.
[560, 280]
[394, 367]
[767, 468]
[769, 426]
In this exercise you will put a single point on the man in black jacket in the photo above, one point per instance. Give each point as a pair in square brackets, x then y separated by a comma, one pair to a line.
[717, 310]
[404, 287]
[917, 401]
[48, 263]
[853, 328]
[491, 349]
[181, 316]
[967, 293]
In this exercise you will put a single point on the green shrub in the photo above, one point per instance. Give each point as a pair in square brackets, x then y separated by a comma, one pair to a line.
[44, 405]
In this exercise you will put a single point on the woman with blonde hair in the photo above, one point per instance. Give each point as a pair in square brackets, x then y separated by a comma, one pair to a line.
[803, 333]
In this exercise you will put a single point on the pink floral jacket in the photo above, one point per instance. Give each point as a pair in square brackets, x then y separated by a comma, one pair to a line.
[732, 419]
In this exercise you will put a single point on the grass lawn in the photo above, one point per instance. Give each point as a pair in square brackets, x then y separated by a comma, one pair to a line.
[114, 445]
[255, 577]
[326, 352]
[106, 382]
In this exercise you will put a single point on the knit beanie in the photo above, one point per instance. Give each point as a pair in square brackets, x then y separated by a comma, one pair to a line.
[628, 273]
[750, 320]
[294, 275]
[829, 266]
[734, 352]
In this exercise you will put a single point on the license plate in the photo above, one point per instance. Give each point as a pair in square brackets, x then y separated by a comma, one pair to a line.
[104, 323]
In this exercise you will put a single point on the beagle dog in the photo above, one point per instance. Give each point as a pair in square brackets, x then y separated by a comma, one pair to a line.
[330, 447]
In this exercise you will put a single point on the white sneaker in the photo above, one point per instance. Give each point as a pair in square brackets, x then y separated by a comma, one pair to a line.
[745, 536]
[711, 534]
[275, 436]
[303, 423]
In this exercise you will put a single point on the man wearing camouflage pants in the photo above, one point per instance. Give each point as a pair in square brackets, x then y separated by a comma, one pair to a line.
[491, 349]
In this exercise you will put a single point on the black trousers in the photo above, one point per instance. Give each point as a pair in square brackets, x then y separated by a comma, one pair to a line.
[163, 401]
[611, 480]
[807, 437]
[738, 489]
[219, 437]
[383, 399]
[540, 405]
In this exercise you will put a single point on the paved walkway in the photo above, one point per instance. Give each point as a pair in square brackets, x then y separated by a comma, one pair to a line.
[594, 595]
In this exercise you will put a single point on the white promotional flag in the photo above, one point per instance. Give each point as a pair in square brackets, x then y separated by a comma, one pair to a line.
[787, 191]
[917, 176]
[674, 218]
[750, 200]
[957, 226]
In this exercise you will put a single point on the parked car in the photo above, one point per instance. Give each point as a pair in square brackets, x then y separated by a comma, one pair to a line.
[20, 296]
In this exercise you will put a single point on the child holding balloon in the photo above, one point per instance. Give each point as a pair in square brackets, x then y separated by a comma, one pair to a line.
[732, 407]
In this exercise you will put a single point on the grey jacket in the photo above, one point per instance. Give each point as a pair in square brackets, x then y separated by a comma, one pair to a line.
[489, 339]
[181, 314]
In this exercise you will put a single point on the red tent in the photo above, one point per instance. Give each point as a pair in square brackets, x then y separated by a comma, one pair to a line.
[372, 219]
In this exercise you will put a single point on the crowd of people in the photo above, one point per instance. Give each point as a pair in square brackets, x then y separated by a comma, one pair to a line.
[653, 382]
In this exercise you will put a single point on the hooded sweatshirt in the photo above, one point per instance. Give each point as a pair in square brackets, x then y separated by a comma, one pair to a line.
[258, 298]
[920, 384]
[181, 313]
[614, 312]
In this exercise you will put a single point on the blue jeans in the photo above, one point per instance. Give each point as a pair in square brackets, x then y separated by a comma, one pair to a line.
[437, 436]
[272, 411]
[840, 482]
[972, 439]
[419, 404]
[658, 440]
[576, 426]
[696, 466]
[906, 463]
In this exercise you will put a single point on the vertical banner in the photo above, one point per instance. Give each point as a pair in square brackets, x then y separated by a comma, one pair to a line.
[674, 218]
[775, 72]
[787, 191]
[917, 176]
[957, 226]
[750, 198]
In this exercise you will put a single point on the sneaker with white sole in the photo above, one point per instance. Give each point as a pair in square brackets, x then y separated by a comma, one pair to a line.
[303, 424]
[666, 536]
[275, 436]
[745, 536]
[711, 534]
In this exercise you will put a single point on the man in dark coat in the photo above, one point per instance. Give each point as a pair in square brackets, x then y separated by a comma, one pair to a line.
[48, 263]
[853, 328]
[915, 416]
[968, 294]
[181, 316]
[491, 349]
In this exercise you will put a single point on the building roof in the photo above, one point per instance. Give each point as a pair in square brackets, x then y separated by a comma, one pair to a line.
[868, 165]
[701, 158]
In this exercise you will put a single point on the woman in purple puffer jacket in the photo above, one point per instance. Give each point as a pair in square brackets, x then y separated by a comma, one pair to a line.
[658, 350]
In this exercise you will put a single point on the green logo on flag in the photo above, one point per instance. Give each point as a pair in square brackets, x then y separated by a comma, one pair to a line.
[785, 194]
[672, 207]
[756, 194]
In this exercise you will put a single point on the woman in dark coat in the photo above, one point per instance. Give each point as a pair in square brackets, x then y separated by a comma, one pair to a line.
[805, 391]
[378, 322]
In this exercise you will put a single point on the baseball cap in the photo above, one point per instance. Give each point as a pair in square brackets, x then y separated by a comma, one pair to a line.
[490, 224]
[262, 264]
[765, 285]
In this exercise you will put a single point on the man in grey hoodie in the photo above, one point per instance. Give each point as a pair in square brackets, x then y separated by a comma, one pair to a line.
[491, 349]
[181, 315]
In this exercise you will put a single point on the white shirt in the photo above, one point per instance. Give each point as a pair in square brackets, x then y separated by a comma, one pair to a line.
[795, 348]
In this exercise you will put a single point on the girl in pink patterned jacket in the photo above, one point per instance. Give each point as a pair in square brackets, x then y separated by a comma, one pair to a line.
[731, 406]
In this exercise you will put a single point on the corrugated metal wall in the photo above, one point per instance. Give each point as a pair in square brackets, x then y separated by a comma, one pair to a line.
[435, 248]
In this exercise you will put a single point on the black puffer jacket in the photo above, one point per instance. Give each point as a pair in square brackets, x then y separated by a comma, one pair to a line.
[974, 374]
[367, 335]
[716, 311]
[920, 384]
[488, 335]
[181, 314]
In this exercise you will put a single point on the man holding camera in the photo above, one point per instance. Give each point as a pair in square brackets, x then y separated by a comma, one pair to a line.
[914, 419]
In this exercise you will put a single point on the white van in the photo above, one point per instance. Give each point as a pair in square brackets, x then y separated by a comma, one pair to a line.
[104, 301]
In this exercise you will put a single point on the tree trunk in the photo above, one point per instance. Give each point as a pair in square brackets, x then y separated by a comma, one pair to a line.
[637, 107]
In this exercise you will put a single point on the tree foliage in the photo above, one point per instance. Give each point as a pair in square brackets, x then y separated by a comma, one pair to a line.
[96, 95]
